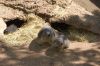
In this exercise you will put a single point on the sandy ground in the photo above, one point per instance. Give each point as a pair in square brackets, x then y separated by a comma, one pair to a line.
[78, 54]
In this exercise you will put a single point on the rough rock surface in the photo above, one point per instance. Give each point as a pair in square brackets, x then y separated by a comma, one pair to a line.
[3, 26]
[89, 5]
[66, 11]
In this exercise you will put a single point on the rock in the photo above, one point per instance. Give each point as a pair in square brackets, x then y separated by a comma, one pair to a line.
[3, 26]
[89, 5]
[62, 3]
[74, 15]
[78, 17]
[9, 13]
[19, 8]
[65, 11]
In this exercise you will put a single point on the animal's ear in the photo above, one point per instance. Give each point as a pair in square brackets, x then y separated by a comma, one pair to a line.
[47, 25]
[39, 34]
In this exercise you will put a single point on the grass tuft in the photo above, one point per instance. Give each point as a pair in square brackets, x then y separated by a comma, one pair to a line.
[81, 35]
[26, 33]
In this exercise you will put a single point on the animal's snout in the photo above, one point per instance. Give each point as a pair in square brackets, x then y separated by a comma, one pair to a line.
[48, 33]
[65, 47]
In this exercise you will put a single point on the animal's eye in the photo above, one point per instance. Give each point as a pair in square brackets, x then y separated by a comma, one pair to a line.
[61, 43]
[65, 47]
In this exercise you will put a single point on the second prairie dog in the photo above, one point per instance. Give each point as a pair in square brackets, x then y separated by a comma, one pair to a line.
[61, 42]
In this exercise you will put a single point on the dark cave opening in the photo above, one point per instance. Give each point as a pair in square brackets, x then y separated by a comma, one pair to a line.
[16, 22]
[60, 26]
[75, 34]
[13, 25]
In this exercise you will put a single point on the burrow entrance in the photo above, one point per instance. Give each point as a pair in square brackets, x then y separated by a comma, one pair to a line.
[13, 25]
[60, 26]
[75, 34]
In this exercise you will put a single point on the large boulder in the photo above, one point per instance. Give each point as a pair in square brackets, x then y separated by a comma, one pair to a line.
[66, 11]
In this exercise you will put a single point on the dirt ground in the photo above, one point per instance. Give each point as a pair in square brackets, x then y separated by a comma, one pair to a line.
[78, 54]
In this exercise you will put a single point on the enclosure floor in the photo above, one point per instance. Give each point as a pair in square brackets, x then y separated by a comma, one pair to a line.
[78, 54]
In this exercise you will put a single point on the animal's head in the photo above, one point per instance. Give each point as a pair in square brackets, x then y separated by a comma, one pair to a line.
[61, 42]
[46, 34]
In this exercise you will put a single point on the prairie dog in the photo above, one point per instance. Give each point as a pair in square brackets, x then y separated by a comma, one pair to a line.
[50, 36]
[46, 34]
[61, 42]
